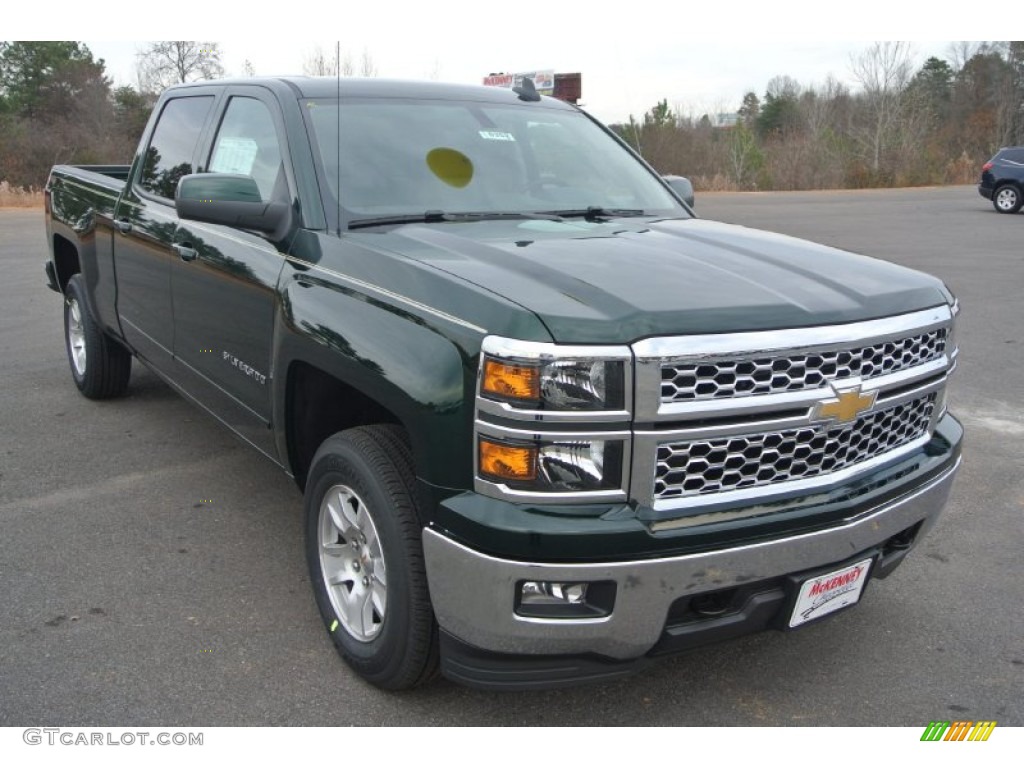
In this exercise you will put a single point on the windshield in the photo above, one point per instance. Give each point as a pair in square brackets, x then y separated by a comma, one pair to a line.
[407, 157]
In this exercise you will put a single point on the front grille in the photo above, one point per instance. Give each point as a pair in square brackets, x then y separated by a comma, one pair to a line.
[763, 375]
[696, 467]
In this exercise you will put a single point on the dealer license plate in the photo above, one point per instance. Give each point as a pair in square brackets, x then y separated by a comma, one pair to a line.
[824, 594]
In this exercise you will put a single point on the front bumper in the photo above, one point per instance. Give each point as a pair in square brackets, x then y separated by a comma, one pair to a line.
[473, 592]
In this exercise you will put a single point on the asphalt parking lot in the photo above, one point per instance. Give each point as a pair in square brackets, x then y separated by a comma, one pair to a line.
[152, 569]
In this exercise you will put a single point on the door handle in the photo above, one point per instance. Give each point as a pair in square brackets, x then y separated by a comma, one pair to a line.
[185, 251]
[123, 226]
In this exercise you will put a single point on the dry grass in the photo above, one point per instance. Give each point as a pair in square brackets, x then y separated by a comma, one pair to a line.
[717, 183]
[19, 197]
[963, 170]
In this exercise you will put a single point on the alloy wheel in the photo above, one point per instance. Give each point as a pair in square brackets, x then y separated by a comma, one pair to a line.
[352, 563]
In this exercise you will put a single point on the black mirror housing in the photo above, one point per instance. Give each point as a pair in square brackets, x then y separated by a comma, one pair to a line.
[228, 198]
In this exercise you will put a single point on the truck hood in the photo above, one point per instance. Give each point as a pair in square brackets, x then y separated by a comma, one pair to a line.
[616, 282]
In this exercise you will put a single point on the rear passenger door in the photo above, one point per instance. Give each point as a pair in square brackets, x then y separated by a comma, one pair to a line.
[224, 284]
[145, 223]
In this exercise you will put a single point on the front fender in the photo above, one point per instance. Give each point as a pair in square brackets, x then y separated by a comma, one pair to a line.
[418, 366]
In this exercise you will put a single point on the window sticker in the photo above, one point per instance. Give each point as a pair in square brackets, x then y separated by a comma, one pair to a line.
[234, 154]
[497, 136]
[450, 166]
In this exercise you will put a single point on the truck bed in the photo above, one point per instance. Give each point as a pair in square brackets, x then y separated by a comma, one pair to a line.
[79, 198]
[109, 179]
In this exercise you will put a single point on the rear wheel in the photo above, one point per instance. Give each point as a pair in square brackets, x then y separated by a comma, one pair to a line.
[363, 546]
[100, 366]
[1007, 199]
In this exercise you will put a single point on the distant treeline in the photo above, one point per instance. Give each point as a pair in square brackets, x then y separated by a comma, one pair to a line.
[902, 127]
[57, 104]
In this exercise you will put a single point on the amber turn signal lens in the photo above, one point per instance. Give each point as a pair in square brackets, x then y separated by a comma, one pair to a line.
[521, 382]
[507, 462]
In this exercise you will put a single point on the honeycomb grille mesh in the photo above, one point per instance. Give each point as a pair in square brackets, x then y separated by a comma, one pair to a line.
[681, 382]
[696, 467]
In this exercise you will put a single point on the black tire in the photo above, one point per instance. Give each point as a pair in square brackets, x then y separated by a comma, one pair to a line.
[1007, 199]
[369, 472]
[100, 366]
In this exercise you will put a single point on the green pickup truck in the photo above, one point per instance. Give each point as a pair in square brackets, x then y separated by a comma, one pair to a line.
[549, 424]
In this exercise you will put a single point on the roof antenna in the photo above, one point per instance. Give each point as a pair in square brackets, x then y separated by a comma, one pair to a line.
[527, 90]
[337, 74]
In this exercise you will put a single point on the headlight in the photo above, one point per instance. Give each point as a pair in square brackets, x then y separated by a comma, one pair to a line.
[546, 377]
[552, 421]
[551, 466]
[952, 350]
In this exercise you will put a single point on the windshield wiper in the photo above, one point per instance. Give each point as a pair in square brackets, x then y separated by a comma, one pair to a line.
[596, 212]
[434, 217]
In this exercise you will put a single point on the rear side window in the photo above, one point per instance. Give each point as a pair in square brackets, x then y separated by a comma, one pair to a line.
[247, 144]
[169, 155]
[1015, 156]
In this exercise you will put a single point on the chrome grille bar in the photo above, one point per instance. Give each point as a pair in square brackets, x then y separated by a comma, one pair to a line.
[744, 377]
[655, 354]
[697, 467]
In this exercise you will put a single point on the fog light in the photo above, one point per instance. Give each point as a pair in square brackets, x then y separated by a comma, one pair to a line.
[565, 599]
[551, 593]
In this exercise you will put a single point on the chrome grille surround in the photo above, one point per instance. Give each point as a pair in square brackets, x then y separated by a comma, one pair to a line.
[906, 401]
[738, 377]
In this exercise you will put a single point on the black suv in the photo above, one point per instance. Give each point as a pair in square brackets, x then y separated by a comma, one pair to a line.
[1002, 179]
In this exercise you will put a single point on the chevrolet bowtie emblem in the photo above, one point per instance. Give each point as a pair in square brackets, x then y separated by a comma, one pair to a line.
[846, 406]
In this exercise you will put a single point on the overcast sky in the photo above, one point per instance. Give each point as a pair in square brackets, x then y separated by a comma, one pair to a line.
[631, 55]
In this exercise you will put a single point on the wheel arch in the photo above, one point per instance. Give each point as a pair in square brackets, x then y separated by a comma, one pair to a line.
[410, 376]
[66, 260]
[1016, 184]
[319, 404]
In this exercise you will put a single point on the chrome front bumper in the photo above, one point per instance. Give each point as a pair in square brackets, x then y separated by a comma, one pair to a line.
[473, 593]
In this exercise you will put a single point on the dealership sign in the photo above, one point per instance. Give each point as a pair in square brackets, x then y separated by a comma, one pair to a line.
[543, 80]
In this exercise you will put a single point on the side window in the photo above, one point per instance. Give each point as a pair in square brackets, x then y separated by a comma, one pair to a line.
[1015, 156]
[247, 143]
[169, 155]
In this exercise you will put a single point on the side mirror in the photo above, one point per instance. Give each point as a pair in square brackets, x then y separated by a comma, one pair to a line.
[682, 187]
[230, 199]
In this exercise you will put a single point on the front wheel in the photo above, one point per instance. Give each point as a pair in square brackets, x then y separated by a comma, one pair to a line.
[1007, 199]
[100, 367]
[363, 546]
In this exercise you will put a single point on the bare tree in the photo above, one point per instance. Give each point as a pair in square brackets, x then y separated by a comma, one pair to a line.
[320, 63]
[963, 51]
[884, 70]
[745, 158]
[820, 107]
[249, 69]
[1010, 112]
[167, 62]
[366, 66]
